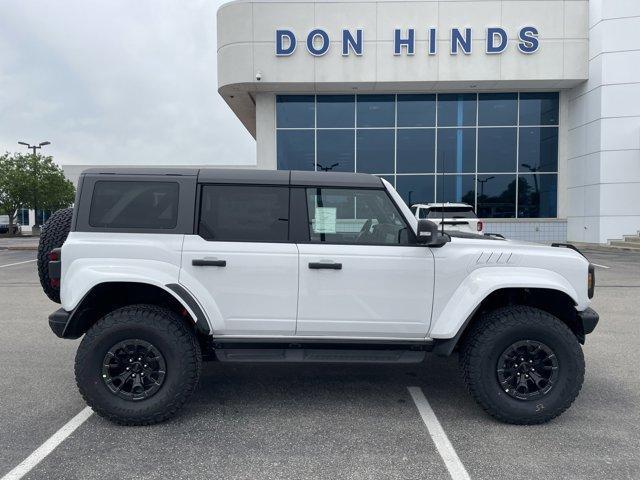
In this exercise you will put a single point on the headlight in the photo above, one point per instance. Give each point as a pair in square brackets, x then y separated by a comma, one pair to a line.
[591, 281]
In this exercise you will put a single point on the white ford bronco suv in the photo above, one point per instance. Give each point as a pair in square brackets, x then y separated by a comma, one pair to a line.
[160, 269]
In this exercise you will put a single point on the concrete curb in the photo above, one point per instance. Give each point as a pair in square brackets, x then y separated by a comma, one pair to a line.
[20, 247]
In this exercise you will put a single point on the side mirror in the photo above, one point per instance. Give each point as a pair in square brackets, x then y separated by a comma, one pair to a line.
[429, 235]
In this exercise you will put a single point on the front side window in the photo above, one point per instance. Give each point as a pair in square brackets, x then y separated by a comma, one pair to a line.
[241, 213]
[128, 204]
[354, 217]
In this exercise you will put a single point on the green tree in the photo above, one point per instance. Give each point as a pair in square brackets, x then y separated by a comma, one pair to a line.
[13, 185]
[32, 181]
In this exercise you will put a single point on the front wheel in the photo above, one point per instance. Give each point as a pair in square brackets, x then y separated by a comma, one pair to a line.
[522, 365]
[138, 365]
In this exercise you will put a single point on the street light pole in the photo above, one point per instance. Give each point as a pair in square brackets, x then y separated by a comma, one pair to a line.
[533, 170]
[33, 148]
[482, 182]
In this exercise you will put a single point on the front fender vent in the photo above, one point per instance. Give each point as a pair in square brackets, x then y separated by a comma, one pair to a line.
[494, 258]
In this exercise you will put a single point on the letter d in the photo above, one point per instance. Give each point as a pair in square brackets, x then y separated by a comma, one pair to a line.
[281, 50]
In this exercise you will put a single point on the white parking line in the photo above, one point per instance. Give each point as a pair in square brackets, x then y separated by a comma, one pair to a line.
[601, 266]
[49, 446]
[17, 263]
[438, 435]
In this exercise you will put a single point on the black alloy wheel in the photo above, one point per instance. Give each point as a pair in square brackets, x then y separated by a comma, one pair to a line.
[527, 370]
[133, 369]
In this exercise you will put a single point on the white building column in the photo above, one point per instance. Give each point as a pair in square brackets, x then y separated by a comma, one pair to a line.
[266, 131]
[603, 188]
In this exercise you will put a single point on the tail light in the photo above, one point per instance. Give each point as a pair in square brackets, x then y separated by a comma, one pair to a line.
[55, 267]
[591, 281]
[479, 227]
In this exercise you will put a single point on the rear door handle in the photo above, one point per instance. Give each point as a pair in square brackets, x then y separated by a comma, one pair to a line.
[203, 262]
[327, 265]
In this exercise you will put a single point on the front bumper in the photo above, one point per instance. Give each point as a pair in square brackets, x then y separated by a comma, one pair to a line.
[588, 319]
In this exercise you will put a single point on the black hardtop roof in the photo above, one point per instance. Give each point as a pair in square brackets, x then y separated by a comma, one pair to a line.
[252, 176]
[140, 171]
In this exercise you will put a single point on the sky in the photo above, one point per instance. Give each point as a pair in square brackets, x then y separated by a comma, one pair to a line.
[116, 82]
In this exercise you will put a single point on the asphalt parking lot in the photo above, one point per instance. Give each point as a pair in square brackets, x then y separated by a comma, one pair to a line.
[322, 422]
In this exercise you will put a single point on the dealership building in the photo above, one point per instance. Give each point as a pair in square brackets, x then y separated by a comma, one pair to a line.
[527, 110]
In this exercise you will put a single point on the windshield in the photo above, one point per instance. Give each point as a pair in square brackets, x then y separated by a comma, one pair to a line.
[449, 212]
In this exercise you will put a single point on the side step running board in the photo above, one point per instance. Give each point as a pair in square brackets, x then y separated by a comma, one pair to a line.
[317, 355]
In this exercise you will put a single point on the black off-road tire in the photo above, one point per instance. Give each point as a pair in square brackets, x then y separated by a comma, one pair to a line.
[167, 332]
[53, 235]
[496, 331]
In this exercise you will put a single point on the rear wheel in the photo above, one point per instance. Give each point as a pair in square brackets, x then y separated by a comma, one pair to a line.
[53, 235]
[138, 365]
[522, 365]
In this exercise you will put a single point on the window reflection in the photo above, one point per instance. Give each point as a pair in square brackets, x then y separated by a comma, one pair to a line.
[295, 111]
[539, 108]
[497, 109]
[376, 110]
[497, 149]
[456, 109]
[496, 196]
[416, 110]
[375, 151]
[296, 149]
[456, 150]
[415, 188]
[538, 149]
[537, 195]
[336, 111]
[416, 150]
[456, 189]
[335, 151]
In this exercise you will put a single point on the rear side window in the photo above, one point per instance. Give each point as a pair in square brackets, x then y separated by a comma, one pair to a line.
[451, 212]
[236, 213]
[147, 205]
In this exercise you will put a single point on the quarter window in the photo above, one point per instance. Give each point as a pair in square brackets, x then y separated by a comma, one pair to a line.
[244, 213]
[354, 217]
[144, 205]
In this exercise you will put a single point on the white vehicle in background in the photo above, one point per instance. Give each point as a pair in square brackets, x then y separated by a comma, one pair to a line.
[457, 216]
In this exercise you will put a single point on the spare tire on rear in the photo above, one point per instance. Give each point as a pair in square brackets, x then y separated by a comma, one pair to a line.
[53, 235]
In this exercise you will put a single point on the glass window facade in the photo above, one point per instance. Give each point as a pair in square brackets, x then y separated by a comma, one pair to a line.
[495, 151]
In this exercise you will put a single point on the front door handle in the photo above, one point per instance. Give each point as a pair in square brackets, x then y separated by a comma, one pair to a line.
[327, 265]
[203, 262]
